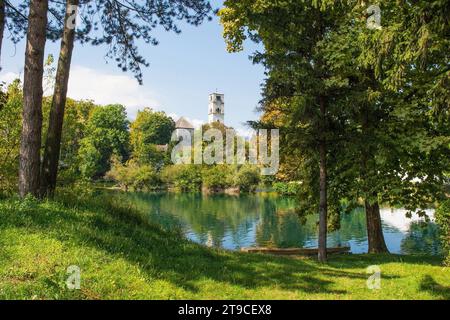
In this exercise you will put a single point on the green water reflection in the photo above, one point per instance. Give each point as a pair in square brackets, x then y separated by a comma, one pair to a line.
[233, 222]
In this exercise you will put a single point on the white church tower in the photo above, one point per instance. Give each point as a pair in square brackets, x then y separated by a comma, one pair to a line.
[216, 108]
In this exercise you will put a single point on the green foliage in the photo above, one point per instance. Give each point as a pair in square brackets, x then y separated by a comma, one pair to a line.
[106, 135]
[186, 178]
[386, 124]
[150, 154]
[10, 128]
[443, 220]
[76, 116]
[217, 177]
[149, 129]
[267, 181]
[214, 178]
[146, 178]
[247, 178]
[290, 188]
[138, 177]
[300, 84]
[90, 158]
[75, 120]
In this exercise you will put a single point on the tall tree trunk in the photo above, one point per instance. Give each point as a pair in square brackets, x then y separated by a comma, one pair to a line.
[30, 142]
[375, 235]
[2, 25]
[49, 170]
[323, 208]
[374, 229]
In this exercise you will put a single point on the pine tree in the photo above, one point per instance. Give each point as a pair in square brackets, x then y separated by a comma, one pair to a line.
[30, 143]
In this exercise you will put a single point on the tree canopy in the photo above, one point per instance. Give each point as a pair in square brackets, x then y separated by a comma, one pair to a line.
[375, 98]
[106, 135]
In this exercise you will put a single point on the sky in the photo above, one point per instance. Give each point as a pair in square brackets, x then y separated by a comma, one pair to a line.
[184, 69]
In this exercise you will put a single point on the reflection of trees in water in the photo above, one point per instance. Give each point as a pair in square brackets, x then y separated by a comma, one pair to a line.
[261, 219]
[422, 237]
[151, 203]
[279, 225]
[353, 227]
[209, 217]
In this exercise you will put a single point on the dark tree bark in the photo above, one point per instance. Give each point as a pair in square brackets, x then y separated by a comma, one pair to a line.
[323, 206]
[50, 162]
[375, 235]
[2, 25]
[30, 142]
[374, 229]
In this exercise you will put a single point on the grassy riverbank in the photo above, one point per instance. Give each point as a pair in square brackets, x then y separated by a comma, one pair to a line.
[122, 255]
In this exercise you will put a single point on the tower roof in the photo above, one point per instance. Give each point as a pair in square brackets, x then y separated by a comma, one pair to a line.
[182, 123]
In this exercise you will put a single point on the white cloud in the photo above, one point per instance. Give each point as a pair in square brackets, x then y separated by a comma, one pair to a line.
[104, 88]
[8, 77]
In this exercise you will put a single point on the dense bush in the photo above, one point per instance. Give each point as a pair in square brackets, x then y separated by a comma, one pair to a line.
[267, 181]
[186, 178]
[215, 178]
[150, 128]
[287, 188]
[218, 177]
[89, 158]
[247, 178]
[132, 175]
[443, 219]
[10, 127]
[106, 134]
[76, 117]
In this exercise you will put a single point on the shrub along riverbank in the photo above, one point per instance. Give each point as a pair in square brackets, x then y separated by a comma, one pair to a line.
[185, 178]
[122, 255]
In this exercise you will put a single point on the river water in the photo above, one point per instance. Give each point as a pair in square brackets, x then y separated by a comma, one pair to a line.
[233, 222]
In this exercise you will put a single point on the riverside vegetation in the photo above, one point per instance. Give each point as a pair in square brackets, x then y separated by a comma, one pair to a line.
[363, 115]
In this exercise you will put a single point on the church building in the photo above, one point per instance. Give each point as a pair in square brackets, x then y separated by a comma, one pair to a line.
[183, 124]
[216, 114]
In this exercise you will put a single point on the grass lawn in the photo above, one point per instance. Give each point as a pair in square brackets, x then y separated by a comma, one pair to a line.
[123, 256]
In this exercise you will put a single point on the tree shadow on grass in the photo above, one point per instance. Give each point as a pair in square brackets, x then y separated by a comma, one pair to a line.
[429, 284]
[163, 255]
[167, 256]
[183, 263]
